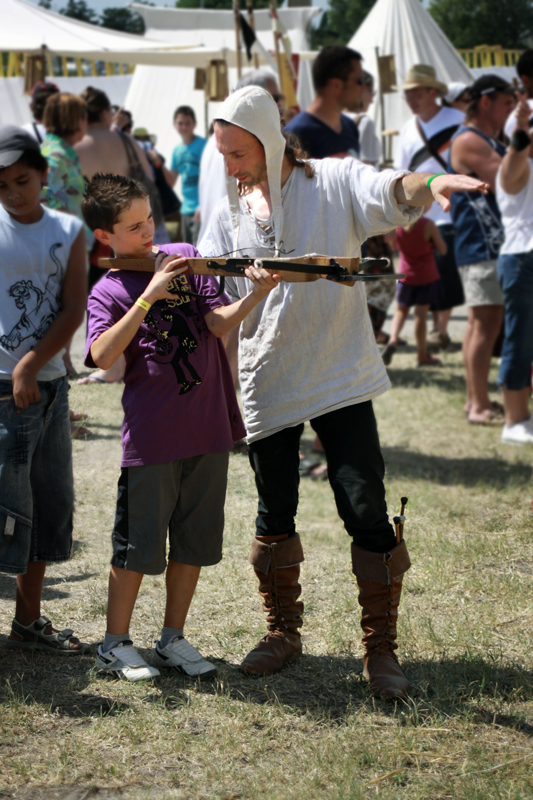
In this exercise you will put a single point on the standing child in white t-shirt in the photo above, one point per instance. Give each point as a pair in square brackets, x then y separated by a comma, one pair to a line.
[43, 289]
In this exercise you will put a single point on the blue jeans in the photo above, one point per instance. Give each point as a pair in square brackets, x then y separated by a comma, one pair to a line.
[515, 273]
[36, 481]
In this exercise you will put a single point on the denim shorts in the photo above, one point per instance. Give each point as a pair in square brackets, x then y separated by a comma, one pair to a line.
[516, 279]
[36, 481]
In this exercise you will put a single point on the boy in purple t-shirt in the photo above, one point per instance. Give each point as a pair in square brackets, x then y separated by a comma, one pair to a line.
[180, 419]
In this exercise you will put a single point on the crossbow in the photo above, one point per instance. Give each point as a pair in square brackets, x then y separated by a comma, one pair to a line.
[297, 269]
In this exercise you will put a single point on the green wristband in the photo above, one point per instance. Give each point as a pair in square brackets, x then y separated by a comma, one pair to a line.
[435, 176]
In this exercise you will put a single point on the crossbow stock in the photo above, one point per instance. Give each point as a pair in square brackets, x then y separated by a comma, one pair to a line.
[297, 269]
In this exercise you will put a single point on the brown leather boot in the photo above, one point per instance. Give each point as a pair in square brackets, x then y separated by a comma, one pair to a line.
[276, 561]
[379, 577]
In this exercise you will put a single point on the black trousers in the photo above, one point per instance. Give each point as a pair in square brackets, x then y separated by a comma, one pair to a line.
[355, 471]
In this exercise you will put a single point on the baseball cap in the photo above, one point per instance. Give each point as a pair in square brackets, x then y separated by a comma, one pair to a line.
[14, 142]
[488, 84]
[455, 90]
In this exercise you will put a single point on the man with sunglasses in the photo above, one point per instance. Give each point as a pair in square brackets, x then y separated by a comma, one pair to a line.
[323, 130]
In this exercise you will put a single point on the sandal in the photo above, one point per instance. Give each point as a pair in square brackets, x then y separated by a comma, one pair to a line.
[34, 637]
[77, 416]
[320, 473]
[307, 465]
[79, 433]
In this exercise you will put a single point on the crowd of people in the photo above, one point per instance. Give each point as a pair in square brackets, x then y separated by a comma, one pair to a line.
[82, 183]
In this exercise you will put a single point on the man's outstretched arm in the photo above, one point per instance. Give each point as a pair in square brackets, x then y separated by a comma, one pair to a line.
[412, 190]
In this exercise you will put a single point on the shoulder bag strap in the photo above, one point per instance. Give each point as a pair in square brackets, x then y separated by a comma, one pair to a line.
[431, 149]
[133, 158]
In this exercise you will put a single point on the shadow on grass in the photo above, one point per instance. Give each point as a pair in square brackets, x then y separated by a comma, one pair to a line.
[329, 688]
[494, 472]
[439, 377]
[29, 678]
[332, 688]
[8, 585]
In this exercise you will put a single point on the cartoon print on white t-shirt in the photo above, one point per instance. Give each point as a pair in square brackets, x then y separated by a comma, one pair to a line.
[39, 307]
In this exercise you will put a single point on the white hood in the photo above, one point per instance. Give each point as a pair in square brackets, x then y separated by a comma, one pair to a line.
[254, 110]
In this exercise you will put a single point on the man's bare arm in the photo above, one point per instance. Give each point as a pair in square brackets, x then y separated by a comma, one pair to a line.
[514, 173]
[412, 190]
[472, 154]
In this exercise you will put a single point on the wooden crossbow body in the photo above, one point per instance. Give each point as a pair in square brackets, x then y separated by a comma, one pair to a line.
[299, 269]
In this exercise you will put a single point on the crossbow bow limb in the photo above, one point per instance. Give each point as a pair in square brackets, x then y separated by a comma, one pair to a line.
[297, 269]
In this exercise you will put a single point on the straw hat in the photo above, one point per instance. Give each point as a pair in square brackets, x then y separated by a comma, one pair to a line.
[422, 75]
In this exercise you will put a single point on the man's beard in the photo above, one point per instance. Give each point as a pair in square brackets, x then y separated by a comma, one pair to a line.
[253, 180]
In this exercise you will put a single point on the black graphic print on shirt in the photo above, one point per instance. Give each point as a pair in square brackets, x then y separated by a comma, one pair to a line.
[176, 343]
[39, 308]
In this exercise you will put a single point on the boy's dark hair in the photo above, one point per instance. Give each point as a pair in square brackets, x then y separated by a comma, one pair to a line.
[33, 159]
[187, 110]
[524, 65]
[107, 197]
[333, 61]
[97, 101]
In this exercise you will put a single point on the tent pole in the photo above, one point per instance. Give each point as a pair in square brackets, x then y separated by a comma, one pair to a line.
[250, 9]
[237, 18]
[274, 15]
[382, 109]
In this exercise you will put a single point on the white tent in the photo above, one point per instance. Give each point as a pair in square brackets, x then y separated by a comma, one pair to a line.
[404, 28]
[155, 92]
[215, 29]
[15, 106]
[27, 28]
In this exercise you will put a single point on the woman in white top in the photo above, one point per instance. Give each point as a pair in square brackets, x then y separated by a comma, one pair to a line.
[514, 192]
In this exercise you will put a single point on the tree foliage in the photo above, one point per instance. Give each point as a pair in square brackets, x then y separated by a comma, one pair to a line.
[468, 23]
[118, 19]
[122, 19]
[340, 22]
[78, 9]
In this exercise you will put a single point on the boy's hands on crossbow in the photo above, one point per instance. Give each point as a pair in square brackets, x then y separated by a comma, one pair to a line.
[262, 281]
[166, 269]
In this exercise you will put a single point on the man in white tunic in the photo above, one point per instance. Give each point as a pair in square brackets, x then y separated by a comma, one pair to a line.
[307, 352]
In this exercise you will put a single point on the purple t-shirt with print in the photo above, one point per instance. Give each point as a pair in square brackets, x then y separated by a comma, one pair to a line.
[179, 400]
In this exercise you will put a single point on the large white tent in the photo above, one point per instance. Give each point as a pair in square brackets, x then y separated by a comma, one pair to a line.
[155, 92]
[27, 28]
[215, 29]
[404, 29]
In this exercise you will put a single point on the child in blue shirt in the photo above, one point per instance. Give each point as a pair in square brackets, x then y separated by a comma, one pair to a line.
[186, 162]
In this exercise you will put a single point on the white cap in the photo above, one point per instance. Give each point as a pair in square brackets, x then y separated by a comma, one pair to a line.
[455, 90]
[254, 110]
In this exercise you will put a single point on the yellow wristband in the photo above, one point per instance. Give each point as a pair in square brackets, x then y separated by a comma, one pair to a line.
[142, 303]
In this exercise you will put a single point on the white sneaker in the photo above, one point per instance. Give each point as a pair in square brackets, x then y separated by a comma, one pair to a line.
[519, 433]
[124, 661]
[182, 656]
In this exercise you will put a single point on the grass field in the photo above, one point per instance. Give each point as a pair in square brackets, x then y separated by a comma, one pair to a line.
[466, 635]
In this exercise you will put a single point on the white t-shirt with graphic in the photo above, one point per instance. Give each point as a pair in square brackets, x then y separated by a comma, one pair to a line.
[412, 143]
[34, 262]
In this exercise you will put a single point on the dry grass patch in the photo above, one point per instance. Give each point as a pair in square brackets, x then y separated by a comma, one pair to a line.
[465, 639]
